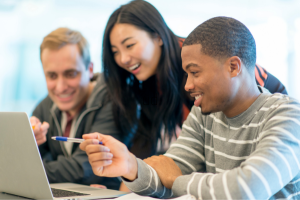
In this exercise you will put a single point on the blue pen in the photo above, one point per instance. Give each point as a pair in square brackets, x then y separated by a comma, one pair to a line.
[66, 139]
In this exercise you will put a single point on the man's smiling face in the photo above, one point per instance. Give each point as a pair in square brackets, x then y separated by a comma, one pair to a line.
[67, 77]
[208, 79]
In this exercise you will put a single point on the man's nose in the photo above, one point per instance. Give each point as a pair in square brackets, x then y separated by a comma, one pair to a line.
[61, 85]
[189, 85]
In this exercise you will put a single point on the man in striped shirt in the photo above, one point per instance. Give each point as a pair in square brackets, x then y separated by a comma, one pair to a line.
[238, 142]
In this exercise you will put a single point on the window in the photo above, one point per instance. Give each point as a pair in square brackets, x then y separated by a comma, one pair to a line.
[275, 25]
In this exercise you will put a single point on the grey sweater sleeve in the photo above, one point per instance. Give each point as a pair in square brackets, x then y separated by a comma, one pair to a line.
[269, 169]
[148, 182]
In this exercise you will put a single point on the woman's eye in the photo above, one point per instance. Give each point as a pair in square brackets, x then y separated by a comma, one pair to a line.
[114, 52]
[128, 46]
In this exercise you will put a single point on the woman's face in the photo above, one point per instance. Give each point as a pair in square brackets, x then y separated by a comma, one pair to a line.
[135, 50]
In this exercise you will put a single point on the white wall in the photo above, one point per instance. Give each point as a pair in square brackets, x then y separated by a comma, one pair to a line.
[275, 25]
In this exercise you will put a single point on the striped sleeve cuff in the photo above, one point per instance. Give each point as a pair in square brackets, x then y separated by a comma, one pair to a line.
[142, 183]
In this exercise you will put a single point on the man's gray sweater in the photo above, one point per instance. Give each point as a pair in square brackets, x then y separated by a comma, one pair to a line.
[254, 155]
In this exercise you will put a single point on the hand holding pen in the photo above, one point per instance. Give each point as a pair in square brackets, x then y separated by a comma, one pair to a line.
[67, 139]
[40, 130]
[111, 159]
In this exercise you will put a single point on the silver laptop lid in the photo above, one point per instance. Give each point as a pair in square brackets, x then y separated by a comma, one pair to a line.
[21, 169]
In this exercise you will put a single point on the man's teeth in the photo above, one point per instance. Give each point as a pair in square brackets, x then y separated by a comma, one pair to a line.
[198, 96]
[134, 66]
[64, 95]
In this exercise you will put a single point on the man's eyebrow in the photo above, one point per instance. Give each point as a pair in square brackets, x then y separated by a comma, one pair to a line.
[191, 65]
[70, 70]
[123, 41]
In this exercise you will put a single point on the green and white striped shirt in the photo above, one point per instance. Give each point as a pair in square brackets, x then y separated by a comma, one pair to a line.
[254, 155]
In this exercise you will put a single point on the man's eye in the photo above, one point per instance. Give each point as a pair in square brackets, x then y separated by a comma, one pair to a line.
[52, 76]
[71, 74]
[194, 73]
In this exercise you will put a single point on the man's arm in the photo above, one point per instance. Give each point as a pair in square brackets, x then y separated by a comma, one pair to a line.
[67, 169]
[76, 168]
[191, 139]
[267, 170]
[61, 169]
[40, 130]
[104, 122]
[39, 113]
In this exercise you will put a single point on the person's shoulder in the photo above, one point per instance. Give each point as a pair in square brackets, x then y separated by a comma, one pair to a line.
[281, 98]
[99, 79]
[280, 103]
[180, 41]
[267, 80]
[100, 93]
[43, 108]
[46, 103]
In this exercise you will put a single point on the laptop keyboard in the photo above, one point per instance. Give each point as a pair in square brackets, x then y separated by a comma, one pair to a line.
[65, 193]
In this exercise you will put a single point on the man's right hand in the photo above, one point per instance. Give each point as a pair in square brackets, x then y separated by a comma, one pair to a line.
[40, 130]
[112, 159]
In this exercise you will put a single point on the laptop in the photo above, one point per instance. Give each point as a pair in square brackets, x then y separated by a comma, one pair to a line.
[21, 168]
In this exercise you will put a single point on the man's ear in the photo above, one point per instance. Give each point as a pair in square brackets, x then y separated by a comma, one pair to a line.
[235, 66]
[91, 70]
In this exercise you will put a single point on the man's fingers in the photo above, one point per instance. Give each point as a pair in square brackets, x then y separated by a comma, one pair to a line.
[35, 123]
[95, 143]
[36, 126]
[91, 136]
[95, 157]
[98, 186]
[34, 120]
[37, 129]
[41, 141]
[45, 126]
[40, 136]
[100, 137]
[98, 166]
[95, 148]
[88, 142]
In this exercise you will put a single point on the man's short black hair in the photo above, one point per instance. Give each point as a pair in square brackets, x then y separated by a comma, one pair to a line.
[224, 37]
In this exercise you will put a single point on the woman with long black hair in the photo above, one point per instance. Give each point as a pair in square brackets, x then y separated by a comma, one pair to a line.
[142, 66]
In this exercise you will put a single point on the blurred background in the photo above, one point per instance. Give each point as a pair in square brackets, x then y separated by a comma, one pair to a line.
[275, 25]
